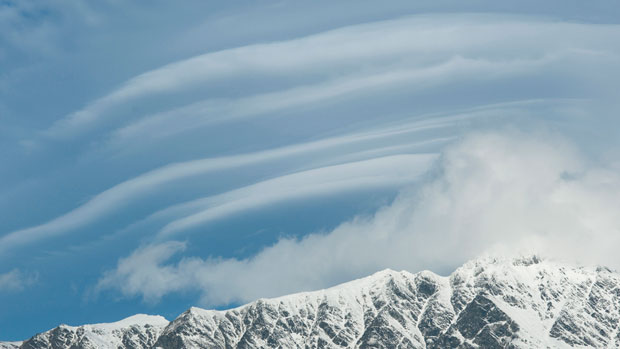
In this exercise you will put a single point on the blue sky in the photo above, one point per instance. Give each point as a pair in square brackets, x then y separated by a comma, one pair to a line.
[212, 153]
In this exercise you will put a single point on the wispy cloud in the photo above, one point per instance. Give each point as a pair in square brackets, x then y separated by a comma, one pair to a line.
[411, 44]
[510, 192]
[32, 26]
[389, 171]
[123, 194]
[111, 141]
[211, 112]
[16, 280]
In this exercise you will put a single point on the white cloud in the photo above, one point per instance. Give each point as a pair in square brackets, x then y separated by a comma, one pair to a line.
[381, 52]
[15, 280]
[122, 194]
[208, 112]
[389, 171]
[153, 278]
[508, 192]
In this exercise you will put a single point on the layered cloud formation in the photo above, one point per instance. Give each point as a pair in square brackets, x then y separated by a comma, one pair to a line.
[415, 53]
[196, 156]
[493, 192]
[411, 64]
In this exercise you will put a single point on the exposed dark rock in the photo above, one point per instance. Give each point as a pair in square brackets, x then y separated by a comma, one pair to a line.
[481, 305]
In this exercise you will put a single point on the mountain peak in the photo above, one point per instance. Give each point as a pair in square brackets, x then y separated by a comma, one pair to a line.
[134, 320]
[490, 302]
[136, 331]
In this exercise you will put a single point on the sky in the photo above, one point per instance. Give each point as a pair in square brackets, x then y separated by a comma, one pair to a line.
[208, 153]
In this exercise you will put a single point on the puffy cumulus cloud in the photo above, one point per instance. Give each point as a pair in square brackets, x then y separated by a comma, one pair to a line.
[143, 273]
[508, 192]
[16, 280]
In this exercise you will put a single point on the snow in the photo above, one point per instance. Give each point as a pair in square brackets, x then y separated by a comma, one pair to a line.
[515, 289]
[110, 335]
[535, 293]
[135, 320]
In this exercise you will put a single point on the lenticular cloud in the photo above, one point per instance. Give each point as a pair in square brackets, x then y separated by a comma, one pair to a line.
[494, 192]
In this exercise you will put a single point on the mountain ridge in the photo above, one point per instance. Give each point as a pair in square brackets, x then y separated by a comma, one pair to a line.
[490, 302]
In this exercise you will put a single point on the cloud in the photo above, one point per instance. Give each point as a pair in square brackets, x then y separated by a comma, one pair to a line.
[507, 192]
[153, 276]
[304, 154]
[210, 112]
[151, 134]
[383, 53]
[388, 171]
[15, 280]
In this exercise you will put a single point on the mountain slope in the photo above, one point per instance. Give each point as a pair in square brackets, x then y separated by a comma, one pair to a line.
[486, 303]
[10, 345]
[525, 303]
[138, 331]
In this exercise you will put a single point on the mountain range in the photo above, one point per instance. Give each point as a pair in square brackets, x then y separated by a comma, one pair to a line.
[489, 302]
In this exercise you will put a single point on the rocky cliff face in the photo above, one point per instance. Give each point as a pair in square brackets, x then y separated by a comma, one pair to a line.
[487, 303]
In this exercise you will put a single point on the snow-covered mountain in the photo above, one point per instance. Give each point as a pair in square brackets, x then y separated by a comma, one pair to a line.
[138, 331]
[487, 303]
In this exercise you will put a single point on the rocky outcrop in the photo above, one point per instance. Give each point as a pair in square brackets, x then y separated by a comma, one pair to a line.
[136, 332]
[487, 303]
